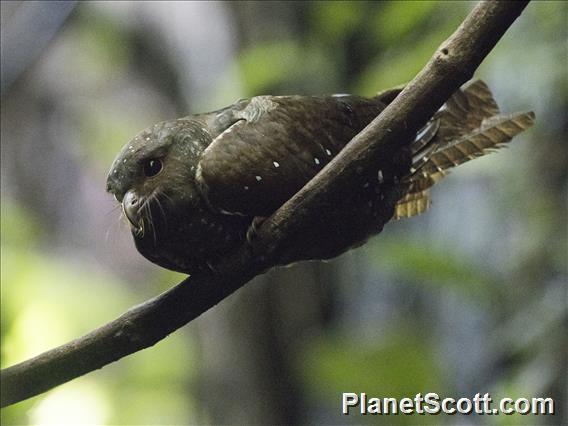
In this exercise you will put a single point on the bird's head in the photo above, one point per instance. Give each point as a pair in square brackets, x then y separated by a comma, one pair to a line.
[154, 173]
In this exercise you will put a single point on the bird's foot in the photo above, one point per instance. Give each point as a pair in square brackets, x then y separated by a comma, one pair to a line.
[253, 228]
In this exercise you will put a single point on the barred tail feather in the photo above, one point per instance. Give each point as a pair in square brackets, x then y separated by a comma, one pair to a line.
[491, 135]
[412, 204]
[468, 126]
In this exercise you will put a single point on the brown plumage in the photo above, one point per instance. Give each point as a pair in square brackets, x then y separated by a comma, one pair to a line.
[191, 188]
[469, 126]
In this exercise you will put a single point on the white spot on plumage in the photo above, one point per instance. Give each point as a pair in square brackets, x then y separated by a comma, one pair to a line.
[198, 172]
[412, 170]
[258, 178]
[246, 188]
[328, 152]
[316, 160]
[124, 161]
[380, 176]
[276, 164]
[366, 185]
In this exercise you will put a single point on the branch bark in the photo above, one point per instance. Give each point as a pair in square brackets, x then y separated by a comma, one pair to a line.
[453, 64]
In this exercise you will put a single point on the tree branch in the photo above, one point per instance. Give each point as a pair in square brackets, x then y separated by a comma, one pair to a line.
[453, 64]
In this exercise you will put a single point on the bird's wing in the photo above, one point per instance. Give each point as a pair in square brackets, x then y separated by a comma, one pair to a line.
[274, 145]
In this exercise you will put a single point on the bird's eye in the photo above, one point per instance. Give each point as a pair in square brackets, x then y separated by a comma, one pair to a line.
[152, 167]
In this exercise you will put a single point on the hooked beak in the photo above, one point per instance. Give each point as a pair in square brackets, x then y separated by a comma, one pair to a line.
[131, 208]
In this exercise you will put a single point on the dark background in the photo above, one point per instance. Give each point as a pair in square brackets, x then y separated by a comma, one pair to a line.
[470, 297]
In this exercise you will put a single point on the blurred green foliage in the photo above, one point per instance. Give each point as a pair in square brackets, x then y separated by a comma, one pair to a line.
[48, 306]
[359, 47]
[399, 365]
[445, 267]
[397, 20]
